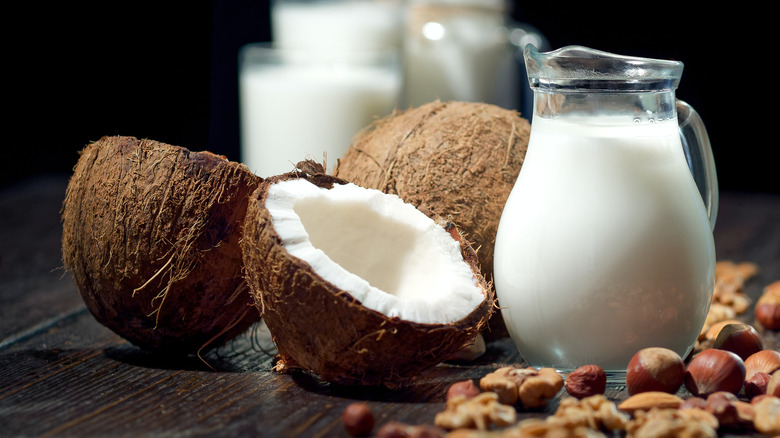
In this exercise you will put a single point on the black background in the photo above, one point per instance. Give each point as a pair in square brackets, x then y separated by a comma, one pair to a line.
[168, 71]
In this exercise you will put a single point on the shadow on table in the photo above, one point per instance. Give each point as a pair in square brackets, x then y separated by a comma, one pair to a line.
[430, 386]
[247, 353]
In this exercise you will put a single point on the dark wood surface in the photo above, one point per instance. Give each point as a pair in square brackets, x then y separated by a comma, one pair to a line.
[63, 374]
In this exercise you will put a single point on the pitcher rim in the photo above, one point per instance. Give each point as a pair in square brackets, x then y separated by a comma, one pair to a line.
[577, 67]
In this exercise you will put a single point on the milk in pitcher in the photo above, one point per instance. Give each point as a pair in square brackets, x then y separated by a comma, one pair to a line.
[604, 245]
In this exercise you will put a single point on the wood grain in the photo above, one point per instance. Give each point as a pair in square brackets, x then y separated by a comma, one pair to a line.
[63, 374]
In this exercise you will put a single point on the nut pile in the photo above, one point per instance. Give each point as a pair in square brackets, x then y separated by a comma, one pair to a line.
[716, 403]
[732, 383]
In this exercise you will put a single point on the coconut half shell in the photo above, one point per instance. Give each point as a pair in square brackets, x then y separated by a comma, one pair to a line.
[151, 235]
[321, 328]
[458, 160]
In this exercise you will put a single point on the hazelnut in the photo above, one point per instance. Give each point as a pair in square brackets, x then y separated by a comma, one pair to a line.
[655, 369]
[721, 405]
[757, 399]
[767, 361]
[693, 403]
[756, 384]
[586, 381]
[393, 429]
[466, 388]
[715, 328]
[715, 370]
[358, 419]
[739, 338]
[768, 307]
[768, 314]
[773, 386]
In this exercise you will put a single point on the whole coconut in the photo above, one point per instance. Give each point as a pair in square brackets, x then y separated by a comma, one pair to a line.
[449, 159]
[151, 235]
[318, 324]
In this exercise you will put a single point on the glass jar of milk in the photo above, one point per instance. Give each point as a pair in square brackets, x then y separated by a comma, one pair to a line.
[333, 67]
[337, 24]
[464, 50]
[308, 104]
[605, 244]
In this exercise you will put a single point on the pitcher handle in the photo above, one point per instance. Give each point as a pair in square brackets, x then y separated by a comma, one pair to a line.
[698, 153]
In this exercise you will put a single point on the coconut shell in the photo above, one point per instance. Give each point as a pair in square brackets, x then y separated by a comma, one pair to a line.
[449, 159]
[151, 235]
[323, 330]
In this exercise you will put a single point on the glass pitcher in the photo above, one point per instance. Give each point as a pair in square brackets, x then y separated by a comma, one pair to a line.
[605, 244]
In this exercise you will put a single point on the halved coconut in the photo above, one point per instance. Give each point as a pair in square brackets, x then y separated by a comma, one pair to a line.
[151, 234]
[448, 159]
[356, 286]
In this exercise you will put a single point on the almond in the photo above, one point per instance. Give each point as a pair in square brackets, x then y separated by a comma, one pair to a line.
[644, 401]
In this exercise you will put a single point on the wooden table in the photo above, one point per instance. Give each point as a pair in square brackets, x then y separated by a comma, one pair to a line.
[63, 374]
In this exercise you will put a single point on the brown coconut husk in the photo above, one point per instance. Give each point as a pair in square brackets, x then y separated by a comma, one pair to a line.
[151, 235]
[323, 330]
[449, 159]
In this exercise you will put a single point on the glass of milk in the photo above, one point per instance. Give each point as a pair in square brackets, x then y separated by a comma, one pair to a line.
[308, 104]
[605, 244]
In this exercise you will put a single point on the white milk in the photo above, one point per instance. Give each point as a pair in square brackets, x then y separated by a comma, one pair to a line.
[290, 113]
[337, 25]
[604, 246]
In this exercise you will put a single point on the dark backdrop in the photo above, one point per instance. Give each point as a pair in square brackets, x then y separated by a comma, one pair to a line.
[168, 71]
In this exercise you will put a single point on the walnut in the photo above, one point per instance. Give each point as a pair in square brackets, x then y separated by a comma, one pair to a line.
[536, 390]
[701, 416]
[396, 429]
[736, 273]
[669, 422]
[506, 382]
[478, 412]
[731, 294]
[530, 386]
[537, 427]
[730, 279]
[475, 433]
[595, 412]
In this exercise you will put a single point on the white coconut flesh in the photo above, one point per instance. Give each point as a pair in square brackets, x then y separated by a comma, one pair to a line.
[384, 252]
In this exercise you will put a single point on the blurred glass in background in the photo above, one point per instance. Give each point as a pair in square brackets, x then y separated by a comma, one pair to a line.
[333, 66]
